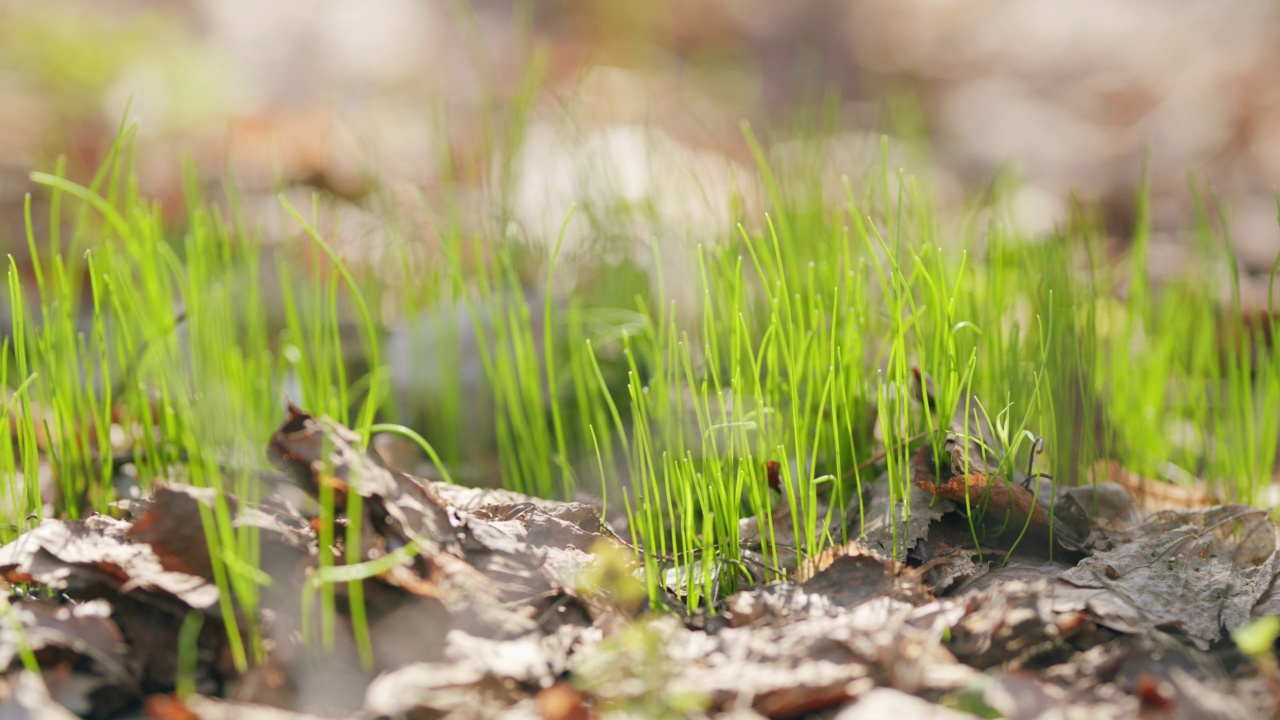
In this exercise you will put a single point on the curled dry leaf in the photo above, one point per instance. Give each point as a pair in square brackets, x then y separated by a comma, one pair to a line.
[1199, 571]
[877, 517]
[815, 662]
[500, 552]
[97, 554]
[170, 523]
[1013, 623]
[398, 510]
[1002, 506]
[851, 574]
[405, 510]
[84, 630]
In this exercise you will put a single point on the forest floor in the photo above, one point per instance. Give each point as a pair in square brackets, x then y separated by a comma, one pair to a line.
[1118, 601]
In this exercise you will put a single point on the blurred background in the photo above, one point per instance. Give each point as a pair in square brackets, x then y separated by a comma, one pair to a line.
[640, 102]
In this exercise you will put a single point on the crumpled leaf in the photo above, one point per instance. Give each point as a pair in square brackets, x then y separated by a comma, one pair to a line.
[474, 561]
[533, 549]
[1024, 575]
[170, 521]
[878, 518]
[1105, 504]
[1199, 571]
[945, 571]
[76, 555]
[850, 574]
[780, 602]
[479, 677]
[474, 498]
[831, 583]
[411, 511]
[398, 510]
[1004, 507]
[935, 537]
[494, 572]
[779, 690]
[533, 659]
[817, 662]
[1014, 622]
[84, 629]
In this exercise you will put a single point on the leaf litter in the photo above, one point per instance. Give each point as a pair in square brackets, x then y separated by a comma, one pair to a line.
[1076, 604]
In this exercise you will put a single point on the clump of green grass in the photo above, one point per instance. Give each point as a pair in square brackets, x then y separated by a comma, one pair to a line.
[134, 337]
[810, 328]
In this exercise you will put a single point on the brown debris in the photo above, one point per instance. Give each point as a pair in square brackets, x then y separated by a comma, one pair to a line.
[84, 630]
[167, 525]
[1201, 572]
[563, 701]
[167, 707]
[96, 555]
[1002, 507]
[1003, 503]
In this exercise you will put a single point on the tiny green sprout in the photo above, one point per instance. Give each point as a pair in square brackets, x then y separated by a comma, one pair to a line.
[630, 674]
[188, 651]
[1257, 638]
[612, 577]
[972, 699]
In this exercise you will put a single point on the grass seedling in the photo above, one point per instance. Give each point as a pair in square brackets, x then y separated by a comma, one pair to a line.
[740, 422]
[188, 659]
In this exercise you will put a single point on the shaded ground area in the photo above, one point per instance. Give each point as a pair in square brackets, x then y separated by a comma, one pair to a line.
[484, 603]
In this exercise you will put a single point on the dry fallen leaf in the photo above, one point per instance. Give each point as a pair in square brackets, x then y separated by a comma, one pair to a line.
[76, 555]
